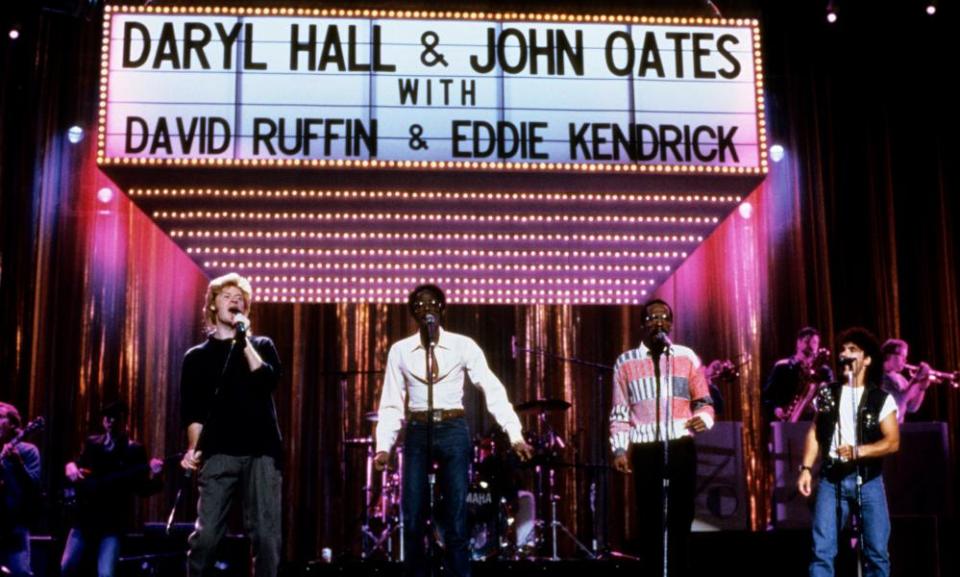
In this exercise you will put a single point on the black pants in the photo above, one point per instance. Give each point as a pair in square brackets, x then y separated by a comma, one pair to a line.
[646, 460]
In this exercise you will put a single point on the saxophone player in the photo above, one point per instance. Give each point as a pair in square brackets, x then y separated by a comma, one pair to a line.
[791, 376]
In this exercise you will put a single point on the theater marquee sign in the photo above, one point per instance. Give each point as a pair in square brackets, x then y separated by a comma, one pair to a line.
[443, 90]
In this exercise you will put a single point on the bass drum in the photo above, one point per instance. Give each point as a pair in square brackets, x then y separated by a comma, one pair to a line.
[484, 521]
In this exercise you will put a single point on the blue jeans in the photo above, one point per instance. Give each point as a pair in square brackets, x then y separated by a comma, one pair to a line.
[451, 451]
[828, 521]
[81, 540]
[15, 552]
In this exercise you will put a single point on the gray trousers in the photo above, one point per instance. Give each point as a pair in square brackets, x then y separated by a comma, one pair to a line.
[259, 483]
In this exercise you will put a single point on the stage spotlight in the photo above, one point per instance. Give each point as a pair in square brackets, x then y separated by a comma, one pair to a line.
[776, 153]
[932, 8]
[105, 194]
[831, 12]
[75, 134]
[746, 210]
[14, 33]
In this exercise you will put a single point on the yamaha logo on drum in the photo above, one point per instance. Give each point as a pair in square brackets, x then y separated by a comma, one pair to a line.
[478, 498]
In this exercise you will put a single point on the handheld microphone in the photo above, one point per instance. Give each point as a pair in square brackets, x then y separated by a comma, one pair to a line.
[240, 321]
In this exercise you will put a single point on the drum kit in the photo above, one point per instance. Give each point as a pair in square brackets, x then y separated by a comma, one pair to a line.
[503, 499]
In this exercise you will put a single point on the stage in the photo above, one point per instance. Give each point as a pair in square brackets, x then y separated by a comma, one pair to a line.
[920, 546]
[756, 166]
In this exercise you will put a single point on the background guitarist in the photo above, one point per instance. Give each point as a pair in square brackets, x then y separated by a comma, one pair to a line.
[19, 486]
[110, 473]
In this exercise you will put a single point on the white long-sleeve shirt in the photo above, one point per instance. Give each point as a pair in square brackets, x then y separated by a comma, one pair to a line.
[459, 359]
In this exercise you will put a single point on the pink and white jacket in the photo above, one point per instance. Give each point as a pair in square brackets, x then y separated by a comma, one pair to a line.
[633, 417]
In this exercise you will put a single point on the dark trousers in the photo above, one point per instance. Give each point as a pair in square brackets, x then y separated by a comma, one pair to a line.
[451, 451]
[258, 483]
[646, 460]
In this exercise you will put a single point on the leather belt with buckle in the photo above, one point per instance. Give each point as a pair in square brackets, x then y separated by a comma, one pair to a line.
[437, 415]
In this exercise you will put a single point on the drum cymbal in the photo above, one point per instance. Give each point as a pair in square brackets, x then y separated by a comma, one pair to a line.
[544, 405]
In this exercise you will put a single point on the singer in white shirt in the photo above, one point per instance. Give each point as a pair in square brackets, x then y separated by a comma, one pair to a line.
[456, 359]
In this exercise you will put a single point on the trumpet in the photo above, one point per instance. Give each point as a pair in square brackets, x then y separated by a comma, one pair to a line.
[935, 375]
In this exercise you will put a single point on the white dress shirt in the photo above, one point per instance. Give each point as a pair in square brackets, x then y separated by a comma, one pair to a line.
[459, 358]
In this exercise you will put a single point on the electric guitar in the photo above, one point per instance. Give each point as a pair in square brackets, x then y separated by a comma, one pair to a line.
[32, 427]
[77, 495]
[15, 499]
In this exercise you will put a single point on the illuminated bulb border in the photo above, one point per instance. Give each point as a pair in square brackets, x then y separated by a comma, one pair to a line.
[474, 267]
[446, 253]
[463, 237]
[470, 299]
[382, 284]
[110, 10]
[580, 292]
[430, 195]
[103, 160]
[429, 217]
[498, 292]
[467, 299]
[430, 15]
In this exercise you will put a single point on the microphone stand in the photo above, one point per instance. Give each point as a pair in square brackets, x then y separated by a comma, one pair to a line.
[431, 474]
[664, 436]
[187, 477]
[858, 517]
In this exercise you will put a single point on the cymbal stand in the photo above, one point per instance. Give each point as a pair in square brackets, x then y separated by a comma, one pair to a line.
[598, 491]
[557, 525]
[390, 498]
[366, 547]
[343, 378]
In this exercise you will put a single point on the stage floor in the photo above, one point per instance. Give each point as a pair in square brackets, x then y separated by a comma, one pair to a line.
[919, 547]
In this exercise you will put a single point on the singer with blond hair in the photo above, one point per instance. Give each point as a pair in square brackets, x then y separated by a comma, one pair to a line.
[233, 438]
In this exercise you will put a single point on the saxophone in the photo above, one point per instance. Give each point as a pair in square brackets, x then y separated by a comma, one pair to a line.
[806, 390]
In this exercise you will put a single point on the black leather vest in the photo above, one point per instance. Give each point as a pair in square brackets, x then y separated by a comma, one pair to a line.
[868, 430]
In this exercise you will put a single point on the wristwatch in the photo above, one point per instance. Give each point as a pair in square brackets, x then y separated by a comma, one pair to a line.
[803, 468]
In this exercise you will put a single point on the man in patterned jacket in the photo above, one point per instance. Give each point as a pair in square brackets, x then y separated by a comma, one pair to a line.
[660, 400]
